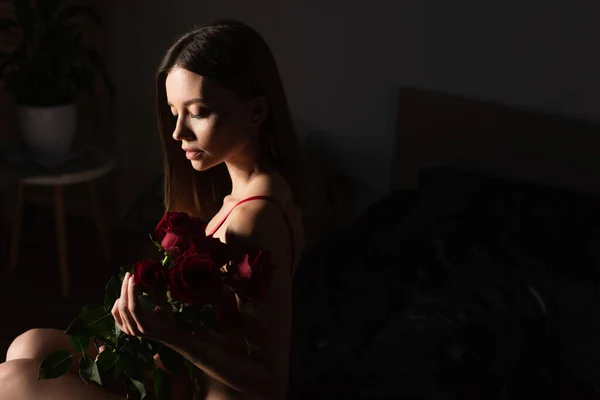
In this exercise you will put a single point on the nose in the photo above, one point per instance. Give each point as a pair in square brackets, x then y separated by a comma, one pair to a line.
[181, 132]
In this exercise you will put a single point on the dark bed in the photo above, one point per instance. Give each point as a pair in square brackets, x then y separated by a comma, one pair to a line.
[475, 278]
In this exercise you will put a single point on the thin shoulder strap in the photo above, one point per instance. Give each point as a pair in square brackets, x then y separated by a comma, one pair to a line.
[283, 213]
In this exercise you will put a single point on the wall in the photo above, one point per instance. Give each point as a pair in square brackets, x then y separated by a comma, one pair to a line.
[342, 62]
[96, 121]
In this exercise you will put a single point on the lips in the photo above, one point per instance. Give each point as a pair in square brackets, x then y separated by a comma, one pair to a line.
[193, 154]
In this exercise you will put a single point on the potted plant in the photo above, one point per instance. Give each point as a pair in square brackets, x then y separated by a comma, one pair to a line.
[47, 69]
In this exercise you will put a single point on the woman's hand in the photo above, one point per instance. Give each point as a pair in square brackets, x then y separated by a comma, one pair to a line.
[158, 324]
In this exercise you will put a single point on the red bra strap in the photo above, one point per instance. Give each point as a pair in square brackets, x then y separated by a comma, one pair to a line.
[284, 214]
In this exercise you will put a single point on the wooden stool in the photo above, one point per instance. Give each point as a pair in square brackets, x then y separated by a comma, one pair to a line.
[88, 173]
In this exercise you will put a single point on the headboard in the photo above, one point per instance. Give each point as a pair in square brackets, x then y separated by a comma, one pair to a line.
[439, 129]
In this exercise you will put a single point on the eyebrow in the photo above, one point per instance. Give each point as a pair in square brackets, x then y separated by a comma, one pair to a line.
[190, 102]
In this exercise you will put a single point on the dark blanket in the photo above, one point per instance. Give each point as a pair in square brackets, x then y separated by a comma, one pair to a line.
[472, 287]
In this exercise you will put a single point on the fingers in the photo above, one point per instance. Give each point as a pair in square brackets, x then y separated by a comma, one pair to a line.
[121, 312]
[116, 315]
[128, 320]
[133, 307]
[100, 350]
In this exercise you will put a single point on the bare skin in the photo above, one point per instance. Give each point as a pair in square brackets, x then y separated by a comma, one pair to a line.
[259, 352]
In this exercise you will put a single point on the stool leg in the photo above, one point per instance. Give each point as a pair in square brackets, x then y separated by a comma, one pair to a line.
[61, 238]
[100, 217]
[16, 234]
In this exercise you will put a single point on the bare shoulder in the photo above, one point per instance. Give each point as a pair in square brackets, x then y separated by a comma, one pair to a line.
[264, 224]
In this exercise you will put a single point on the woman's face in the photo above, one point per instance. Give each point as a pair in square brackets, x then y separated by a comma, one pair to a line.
[212, 122]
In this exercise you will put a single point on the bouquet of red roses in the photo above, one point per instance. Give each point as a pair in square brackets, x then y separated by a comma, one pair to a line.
[195, 275]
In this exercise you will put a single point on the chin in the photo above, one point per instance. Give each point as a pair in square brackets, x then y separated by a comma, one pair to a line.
[201, 165]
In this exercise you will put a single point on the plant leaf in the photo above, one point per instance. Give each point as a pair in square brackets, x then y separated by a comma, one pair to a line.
[95, 60]
[123, 270]
[109, 364]
[118, 331]
[139, 387]
[144, 352]
[93, 321]
[80, 343]
[131, 367]
[146, 303]
[193, 313]
[162, 385]
[88, 370]
[156, 243]
[172, 360]
[55, 365]
[209, 319]
[112, 292]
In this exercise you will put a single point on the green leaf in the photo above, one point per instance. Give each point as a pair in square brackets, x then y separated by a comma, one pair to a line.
[112, 292]
[156, 243]
[109, 365]
[162, 385]
[55, 365]
[131, 367]
[93, 321]
[88, 370]
[209, 319]
[95, 60]
[118, 331]
[80, 343]
[193, 313]
[139, 387]
[153, 346]
[172, 360]
[146, 303]
[123, 270]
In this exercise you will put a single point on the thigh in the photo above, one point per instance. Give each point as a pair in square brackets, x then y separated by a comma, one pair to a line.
[18, 381]
[36, 344]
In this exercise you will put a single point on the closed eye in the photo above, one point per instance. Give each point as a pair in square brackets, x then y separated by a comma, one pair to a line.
[204, 112]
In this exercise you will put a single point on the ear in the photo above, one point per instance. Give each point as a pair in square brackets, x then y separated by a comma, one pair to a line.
[259, 111]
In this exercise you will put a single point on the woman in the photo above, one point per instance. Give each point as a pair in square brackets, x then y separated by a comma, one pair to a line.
[229, 149]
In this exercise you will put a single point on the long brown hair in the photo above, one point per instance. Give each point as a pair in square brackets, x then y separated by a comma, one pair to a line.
[235, 56]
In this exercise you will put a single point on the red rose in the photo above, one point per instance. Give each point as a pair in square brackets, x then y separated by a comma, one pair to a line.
[150, 274]
[213, 247]
[252, 275]
[175, 231]
[195, 278]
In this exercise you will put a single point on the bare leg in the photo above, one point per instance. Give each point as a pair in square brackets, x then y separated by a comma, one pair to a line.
[35, 344]
[27, 351]
[18, 381]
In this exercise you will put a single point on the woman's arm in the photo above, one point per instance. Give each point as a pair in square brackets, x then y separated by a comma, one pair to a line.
[234, 369]
[263, 373]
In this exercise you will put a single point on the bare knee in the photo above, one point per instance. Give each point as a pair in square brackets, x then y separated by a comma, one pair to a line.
[36, 344]
[15, 377]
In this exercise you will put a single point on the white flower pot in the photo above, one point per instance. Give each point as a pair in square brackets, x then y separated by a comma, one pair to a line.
[48, 131]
